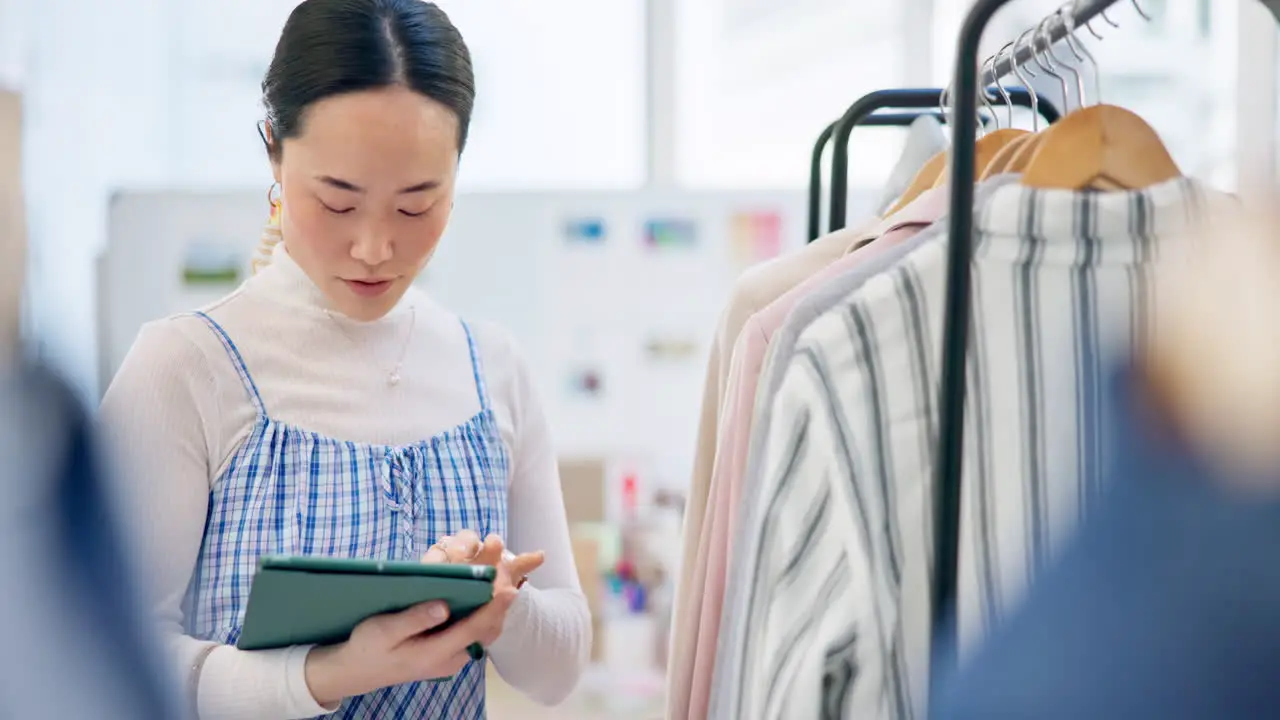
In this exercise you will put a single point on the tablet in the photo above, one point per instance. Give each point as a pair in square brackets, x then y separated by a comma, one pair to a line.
[303, 600]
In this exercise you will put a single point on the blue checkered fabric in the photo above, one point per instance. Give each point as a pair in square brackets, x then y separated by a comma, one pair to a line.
[291, 491]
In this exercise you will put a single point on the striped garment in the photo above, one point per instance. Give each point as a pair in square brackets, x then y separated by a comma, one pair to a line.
[837, 610]
[732, 641]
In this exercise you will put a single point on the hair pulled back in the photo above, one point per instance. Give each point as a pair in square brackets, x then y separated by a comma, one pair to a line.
[333, 47]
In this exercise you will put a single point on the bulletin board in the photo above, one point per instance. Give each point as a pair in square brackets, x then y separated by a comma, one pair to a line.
[614, 296]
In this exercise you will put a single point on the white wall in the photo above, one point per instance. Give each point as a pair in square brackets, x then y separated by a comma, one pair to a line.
[13, 42]
[162, 93]
[96, 90]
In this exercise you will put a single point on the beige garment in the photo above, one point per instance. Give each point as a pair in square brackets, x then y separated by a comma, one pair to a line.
[759, 286]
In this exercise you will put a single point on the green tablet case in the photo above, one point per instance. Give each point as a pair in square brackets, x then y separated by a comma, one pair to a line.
[305, 600]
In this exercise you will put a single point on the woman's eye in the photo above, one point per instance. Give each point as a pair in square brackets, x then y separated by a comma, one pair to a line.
[406, 213]
[336, 211]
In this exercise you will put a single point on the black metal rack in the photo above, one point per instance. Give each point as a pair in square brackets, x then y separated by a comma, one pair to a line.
[865, 112]
[949, 469]
[906, 98]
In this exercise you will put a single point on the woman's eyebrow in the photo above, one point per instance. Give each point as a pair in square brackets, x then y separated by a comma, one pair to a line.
[352, 187]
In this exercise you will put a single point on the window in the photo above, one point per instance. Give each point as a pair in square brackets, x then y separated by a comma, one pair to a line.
[756, 85]
[1177, 70]
[560, 99]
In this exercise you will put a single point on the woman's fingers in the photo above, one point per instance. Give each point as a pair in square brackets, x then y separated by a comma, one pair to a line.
[463, 547]
[522, 565]
[435, 554]
[467, 547]
[490, 551]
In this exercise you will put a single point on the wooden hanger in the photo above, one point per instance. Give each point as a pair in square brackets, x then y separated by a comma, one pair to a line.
[1019, 160]
[1000, 162]
[986, 150]
[934, 173]
[1104, 147]
[924, 179]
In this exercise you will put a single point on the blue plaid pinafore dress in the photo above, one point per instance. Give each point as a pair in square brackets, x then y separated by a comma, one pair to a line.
[294, 492]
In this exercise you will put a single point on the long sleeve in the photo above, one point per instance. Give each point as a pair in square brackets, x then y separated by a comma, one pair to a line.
[687, 603]
[809, 630]
[162, 412]
[546, 641]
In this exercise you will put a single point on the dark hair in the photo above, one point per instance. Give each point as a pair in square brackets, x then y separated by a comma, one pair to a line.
[331, 47]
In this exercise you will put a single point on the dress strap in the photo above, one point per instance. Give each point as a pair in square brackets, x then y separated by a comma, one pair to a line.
[241, 369]
[477, 369]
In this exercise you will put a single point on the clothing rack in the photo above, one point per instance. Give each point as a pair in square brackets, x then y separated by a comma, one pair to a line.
[957, 312]
[865, 113]
[859, 111]
[874, 119]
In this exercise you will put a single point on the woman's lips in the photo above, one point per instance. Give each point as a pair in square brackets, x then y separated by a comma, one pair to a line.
[368, 288]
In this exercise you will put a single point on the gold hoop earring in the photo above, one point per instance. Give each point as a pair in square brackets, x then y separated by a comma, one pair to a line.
[273, 196]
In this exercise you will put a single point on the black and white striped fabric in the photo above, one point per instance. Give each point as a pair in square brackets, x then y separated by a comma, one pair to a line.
[837, 619]
[730, 646]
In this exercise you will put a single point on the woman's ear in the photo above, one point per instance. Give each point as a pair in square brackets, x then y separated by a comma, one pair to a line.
[273, 152]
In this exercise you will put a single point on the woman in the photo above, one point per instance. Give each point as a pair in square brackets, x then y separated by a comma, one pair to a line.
[327, 407]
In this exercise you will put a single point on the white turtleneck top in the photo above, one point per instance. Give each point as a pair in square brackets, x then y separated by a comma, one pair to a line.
[177, 411]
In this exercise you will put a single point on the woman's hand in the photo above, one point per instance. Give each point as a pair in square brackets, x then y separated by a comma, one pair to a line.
[399, 647]
[467, 547]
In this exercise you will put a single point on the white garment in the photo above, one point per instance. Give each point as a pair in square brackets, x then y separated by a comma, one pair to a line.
[178, 412]
[925, 138]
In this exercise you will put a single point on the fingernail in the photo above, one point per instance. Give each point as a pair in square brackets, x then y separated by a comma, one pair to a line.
[437, 611]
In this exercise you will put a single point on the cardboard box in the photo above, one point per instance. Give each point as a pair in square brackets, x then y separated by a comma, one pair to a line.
[586, 557]
[598, 629]
[583, 481]
[13, 239]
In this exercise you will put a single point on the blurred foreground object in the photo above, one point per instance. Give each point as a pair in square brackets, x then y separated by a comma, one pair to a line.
[1167, 604]
[1214, 364]
[76, 644]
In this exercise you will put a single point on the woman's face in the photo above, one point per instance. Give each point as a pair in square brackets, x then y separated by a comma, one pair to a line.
[367, 186]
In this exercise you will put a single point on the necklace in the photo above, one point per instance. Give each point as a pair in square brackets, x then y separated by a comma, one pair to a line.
[393, 377]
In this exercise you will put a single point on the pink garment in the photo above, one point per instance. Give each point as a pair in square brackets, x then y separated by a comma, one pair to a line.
[749, 352]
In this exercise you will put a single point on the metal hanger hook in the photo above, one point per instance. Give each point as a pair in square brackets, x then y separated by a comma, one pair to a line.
[1089, 26]
[1008, 102]
[1082, 53]
[984, 98]
[1026, 83]
[1076, 74]
[1042, 30]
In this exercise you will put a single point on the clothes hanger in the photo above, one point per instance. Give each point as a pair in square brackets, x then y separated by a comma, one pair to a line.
[989, 146]
[928, 173]
[1018, 161]
[1000, 163]
[934, 173]
[925, 138]
[1011, 158]
[1103, 147]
